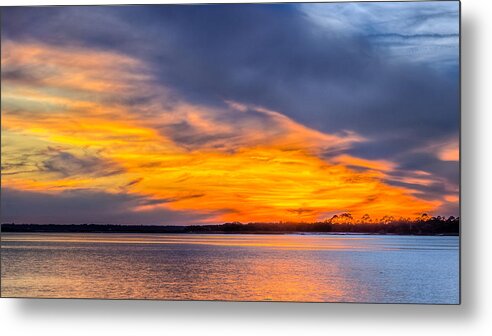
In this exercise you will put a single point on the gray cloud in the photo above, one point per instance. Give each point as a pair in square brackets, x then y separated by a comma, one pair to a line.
[67, 164]
[87, 206]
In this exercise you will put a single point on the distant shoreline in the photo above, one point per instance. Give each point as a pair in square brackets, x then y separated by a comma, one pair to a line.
[432, 227]
[252, 233]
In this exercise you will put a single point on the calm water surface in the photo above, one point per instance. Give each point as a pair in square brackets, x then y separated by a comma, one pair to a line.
[386, 269]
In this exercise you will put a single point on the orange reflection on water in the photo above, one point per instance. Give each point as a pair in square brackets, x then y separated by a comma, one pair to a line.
[173, 266]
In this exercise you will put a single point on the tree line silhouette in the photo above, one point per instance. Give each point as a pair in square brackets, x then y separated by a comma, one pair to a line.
[343, 223]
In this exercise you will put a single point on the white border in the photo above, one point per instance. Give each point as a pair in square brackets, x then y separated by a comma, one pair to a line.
[473, 317]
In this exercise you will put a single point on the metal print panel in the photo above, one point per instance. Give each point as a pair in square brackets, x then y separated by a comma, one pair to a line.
[302, 152]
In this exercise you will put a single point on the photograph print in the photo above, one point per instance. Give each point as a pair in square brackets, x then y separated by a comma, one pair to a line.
[292, 152]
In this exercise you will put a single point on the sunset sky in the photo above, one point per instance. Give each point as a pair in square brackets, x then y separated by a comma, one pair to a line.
[213, 113]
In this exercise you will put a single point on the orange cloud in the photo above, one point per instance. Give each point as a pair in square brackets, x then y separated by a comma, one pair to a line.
[234, 162]
[452, 198]
[450, 152]
[445, 150]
